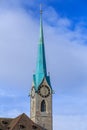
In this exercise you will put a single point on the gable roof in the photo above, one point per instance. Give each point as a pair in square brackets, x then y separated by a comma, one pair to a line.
[20, 122]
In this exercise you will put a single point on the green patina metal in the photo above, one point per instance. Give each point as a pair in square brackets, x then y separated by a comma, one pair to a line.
[41, 71]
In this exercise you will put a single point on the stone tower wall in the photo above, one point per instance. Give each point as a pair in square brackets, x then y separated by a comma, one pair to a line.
[43, 119]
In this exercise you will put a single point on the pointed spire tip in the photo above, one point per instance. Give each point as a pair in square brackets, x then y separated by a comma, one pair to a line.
[41, 11]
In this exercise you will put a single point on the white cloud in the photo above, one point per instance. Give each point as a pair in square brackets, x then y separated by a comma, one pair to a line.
[3, 93]
[10, 114]
[53, 18]
[16, 44]
[70, 122]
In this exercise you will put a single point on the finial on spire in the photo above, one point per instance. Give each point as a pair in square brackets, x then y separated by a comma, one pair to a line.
[41, 11]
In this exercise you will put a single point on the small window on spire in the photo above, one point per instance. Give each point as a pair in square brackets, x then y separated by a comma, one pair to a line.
[43, 106]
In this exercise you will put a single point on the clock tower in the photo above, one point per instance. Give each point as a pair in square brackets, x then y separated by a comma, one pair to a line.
[41, 91]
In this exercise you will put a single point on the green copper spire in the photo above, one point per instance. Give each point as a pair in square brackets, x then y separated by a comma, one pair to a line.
[41, 71]
[41, 61]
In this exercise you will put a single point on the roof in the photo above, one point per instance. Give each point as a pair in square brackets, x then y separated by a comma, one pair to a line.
[41, 70]
[22, 122]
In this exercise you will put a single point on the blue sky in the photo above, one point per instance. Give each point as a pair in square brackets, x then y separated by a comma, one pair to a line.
[65, 32]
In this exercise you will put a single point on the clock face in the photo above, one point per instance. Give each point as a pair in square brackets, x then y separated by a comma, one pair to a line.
[44, 91]
[33, 92]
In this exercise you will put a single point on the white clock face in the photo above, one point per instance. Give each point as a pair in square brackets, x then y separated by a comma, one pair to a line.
[33, 92]
[44, 91]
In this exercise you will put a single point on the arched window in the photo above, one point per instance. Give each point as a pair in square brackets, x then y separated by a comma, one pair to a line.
[43, 106]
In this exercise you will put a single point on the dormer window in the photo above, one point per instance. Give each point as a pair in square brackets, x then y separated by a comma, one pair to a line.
[4, 122]
[34, 127]
[8, 128]
[22, 126]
